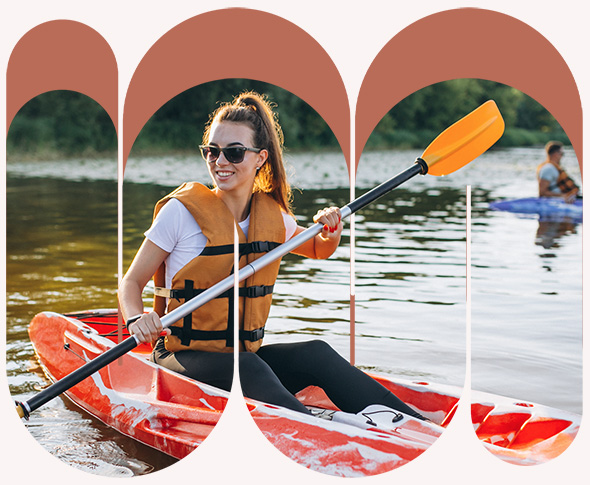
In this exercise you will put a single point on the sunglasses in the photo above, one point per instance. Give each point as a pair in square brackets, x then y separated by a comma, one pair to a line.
[233, 154]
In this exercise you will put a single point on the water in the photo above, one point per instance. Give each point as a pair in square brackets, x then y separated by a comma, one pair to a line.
[410, 280]
[527, 296]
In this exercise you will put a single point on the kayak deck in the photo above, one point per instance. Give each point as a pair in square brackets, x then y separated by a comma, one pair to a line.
[175, 414]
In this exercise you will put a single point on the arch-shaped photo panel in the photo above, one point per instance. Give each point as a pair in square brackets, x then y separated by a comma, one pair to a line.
[447, 59]
[61, 178]
[179, 83]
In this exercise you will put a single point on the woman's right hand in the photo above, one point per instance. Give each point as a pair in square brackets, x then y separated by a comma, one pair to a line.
[331, 218]
[148, 328]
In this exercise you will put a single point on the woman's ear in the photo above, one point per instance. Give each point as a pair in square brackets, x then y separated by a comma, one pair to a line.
[262, 157]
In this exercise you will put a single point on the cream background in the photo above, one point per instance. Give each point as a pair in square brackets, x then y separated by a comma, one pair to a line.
[352, 33]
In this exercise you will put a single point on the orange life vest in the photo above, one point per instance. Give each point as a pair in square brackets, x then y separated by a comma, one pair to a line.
[564, 182]
[211, 327]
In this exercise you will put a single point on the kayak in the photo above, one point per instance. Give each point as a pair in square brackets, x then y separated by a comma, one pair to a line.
[175, 414]
[547, 208]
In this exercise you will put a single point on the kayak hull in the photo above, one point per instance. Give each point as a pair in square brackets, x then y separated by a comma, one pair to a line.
[175, 414]
[134, 396]
[546, 208]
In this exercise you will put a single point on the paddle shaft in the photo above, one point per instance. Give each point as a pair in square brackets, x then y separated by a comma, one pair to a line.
[190, 306]
[25, 408]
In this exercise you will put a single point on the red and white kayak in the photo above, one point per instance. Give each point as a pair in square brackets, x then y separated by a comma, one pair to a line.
[174, 414]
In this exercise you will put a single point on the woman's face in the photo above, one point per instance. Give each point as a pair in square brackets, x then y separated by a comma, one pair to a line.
[234, 176]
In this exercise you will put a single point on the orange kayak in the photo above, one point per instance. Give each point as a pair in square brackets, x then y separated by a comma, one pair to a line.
[174, 414]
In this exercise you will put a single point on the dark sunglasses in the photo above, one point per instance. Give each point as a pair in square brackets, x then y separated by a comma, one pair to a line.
[233, 154]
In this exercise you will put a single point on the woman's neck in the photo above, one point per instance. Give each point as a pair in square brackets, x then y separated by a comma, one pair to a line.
[238, 204]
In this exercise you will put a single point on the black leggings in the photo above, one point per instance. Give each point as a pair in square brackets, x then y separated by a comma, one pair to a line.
[278, 371]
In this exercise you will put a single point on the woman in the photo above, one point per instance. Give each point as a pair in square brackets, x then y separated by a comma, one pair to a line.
[189, 247]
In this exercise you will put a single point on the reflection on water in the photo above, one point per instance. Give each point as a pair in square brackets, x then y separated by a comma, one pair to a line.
[550, 232]
[410, 284]
[409, 281]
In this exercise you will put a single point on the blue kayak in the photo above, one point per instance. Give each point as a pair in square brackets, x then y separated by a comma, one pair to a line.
[547, 208]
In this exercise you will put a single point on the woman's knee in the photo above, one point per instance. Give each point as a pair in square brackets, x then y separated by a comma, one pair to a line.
[250, 363]
[317, 349]
[318, 346]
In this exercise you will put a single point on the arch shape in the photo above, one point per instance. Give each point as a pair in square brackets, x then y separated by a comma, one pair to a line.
[469, 45]
[177, 62]
[62, 55]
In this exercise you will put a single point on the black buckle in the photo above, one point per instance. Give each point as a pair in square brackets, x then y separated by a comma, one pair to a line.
[252, 335]
[257, 334]
[258, 291]
[260, 246]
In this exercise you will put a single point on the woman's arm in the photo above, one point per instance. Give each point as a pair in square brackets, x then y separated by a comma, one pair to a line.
[325, 243]
[147, 260]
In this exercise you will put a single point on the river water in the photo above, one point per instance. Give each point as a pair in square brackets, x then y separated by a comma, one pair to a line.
[409, 284]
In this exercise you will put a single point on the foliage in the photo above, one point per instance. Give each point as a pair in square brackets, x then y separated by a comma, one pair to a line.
[61, 122]
[430, 110]
[71, 124]
[179, 124]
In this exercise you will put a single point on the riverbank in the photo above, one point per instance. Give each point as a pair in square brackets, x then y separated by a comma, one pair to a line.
[395, 140]
[512, 138]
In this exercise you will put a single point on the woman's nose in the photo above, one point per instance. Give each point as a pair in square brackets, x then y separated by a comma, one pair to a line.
[221, 160]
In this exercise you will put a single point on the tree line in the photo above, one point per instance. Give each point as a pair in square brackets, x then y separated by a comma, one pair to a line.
[66, 123]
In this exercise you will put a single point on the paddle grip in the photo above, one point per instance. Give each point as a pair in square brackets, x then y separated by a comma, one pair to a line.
[75, 377]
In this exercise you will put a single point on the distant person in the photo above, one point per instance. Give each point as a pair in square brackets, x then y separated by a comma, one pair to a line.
[553, 181]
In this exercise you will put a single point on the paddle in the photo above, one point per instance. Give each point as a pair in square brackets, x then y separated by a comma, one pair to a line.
[453, 148]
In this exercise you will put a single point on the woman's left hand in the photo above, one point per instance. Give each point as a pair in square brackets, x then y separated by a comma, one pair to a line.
[331, 218]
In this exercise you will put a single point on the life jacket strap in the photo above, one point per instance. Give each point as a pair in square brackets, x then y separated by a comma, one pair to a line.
[248, 335]
[244, 248]
[186, 333]
[187, 321]
[258, 247]
[181, 294]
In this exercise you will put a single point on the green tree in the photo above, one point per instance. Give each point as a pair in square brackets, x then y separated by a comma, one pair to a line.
[415, 120]
[64, 122]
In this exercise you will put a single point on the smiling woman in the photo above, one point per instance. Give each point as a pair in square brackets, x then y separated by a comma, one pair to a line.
[189, 248]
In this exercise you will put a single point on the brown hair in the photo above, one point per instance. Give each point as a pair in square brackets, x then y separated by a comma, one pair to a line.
[553, 146]
[256, 111]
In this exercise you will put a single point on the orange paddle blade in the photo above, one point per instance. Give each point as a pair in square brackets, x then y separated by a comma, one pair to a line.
[465, 140]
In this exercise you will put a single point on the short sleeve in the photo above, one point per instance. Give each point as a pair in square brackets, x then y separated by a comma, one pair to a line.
[164, 231]
[290, 226]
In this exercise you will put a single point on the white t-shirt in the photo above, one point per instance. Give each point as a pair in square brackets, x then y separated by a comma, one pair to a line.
[177, 232]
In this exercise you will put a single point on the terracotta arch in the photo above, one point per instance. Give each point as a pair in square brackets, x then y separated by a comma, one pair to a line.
[469, 43]
[61, 55]
[274, 51]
